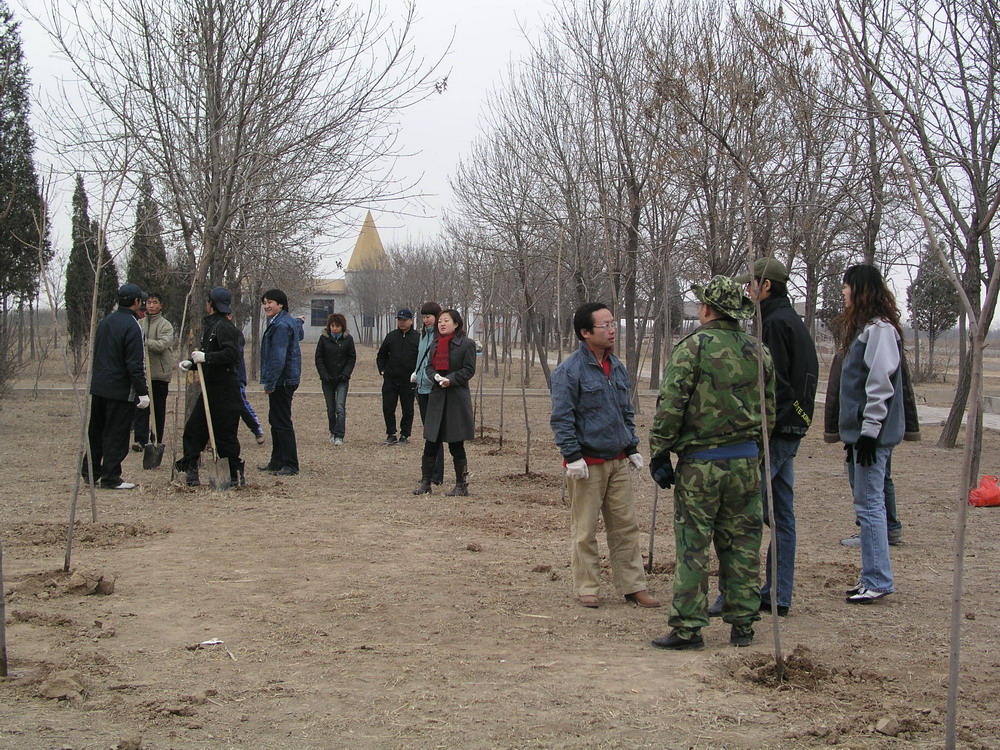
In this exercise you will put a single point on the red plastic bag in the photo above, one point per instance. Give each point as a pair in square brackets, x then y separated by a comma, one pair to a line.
[986, 494]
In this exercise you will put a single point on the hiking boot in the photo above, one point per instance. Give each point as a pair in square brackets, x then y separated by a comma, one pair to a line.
[715, 608]
[189, 470]
[865, 595]
[741, 636]
[642, 599]
[675, 642]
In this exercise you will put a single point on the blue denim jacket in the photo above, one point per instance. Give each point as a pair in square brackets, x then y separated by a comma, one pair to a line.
[592, 414]
[280, 357]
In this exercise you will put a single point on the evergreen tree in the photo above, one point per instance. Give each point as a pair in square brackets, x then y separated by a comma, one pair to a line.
[147, 261]
[21, 204]
[933, 302]
[80, 273]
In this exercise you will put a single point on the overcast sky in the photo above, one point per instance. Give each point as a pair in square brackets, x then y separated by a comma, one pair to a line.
[437, 132]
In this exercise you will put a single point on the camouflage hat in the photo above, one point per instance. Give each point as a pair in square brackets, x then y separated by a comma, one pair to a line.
[725, 295]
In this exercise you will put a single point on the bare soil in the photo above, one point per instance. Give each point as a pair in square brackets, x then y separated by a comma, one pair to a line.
[353, 614]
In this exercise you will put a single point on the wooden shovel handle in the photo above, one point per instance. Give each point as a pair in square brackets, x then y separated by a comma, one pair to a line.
[208, 412]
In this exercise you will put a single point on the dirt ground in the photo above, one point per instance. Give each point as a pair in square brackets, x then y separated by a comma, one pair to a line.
[353, 614]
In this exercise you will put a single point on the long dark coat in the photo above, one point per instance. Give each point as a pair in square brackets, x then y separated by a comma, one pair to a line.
[449, 410]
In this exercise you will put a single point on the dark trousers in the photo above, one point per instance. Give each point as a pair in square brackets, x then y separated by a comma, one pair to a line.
[457, 450]
[225, 424]
[140, 426]
[248, 415]
[110, 424]
[284, 453]
[403, 393]
[438, 474]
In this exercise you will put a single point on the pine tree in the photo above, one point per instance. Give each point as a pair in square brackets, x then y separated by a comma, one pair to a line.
[147, 262]
[80, 273]
[933, 302]
[21, 204]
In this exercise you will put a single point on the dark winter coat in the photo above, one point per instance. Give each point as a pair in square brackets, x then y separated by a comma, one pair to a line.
[335, 358]
[119, 370]
[397, 357]
[221, 343]
[796, 369]
[449, 410]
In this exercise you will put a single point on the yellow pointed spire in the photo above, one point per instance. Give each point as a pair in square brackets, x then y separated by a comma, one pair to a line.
[368, 255]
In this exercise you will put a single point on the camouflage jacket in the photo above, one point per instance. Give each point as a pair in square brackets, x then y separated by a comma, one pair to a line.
[709, 395]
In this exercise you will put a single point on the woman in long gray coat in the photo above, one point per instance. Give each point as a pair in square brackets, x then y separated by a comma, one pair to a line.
[449, 408]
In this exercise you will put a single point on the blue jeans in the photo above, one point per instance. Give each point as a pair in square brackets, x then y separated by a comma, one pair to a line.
[336, 406]
[893, 524]
[869, 507]
[782, 452]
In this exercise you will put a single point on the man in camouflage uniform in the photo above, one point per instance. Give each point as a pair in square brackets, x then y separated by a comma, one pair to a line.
[709, 414]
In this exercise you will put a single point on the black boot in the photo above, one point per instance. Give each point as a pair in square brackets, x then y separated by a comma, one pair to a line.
[189, 467]
[461, 487]
[237, 475]
[426, 467]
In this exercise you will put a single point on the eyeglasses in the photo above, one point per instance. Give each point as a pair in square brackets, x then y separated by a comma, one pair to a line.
[607, 326]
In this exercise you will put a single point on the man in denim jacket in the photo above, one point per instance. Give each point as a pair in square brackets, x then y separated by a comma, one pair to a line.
[280, 371]
[592, 420]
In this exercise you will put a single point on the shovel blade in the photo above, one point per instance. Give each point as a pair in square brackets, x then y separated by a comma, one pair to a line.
[217, 472]
[152, 455]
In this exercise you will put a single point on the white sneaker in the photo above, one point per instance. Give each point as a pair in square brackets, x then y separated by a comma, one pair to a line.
[866, 596]
[338, 441]
[852, 541]
[122, 486]
[333, 439]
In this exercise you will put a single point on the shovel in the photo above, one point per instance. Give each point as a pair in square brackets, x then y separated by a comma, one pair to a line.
[218, 473]
[152, 452]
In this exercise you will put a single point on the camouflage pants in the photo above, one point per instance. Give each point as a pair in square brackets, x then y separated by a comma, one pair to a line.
[717, 501]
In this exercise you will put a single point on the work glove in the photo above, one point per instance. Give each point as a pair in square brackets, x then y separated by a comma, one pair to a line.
[864, 451]
[636, 460]
[662, 470]
[413, 377]
[577, 469]
[197, 356]
[848, 453]
[143, 402]
[184, 365]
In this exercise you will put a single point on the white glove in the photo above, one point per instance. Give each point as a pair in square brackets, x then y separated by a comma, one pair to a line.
[636, 460]
[143, 402]
[197, 356]
[441, 380]
[577, 469]
[413, 377]
[184, 365]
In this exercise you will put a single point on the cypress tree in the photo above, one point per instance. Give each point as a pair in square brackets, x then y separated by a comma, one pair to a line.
[147, 262]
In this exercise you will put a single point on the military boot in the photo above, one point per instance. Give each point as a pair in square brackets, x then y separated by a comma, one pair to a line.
[461, 487]
[190, 470]
[237, 472]
[426, 469]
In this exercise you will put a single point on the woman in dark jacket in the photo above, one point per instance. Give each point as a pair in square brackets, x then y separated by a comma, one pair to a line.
[335, 359]
[449, 408]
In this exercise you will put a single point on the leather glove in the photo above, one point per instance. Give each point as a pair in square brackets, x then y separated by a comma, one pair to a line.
[413, 377]
[662, 470]
[184, 365]
[848, 453]
[864, 451]
[577, 469]
[197, 357]
[143, 402]
[636, 460]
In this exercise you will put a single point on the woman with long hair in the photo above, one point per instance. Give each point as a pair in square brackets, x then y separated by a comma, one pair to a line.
[449, 406]
[871, 414]
[335, 360]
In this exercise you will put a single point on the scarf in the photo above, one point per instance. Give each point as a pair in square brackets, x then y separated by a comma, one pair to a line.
[440, 358]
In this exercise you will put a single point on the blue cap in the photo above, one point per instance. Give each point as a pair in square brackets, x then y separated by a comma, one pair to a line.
[405, 314]
[221, 300]
[129, 291]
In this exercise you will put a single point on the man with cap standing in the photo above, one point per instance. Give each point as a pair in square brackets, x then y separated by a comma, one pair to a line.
[117, 386]
[396, 360]
[709, 414]
[219, 357]
[796, 370]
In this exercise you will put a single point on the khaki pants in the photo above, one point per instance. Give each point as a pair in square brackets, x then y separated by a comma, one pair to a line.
[608, 492]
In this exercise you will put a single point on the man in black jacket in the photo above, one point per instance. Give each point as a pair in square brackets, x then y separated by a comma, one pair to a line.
[117, 386]
[396, 361]
[796, 371]
[219, 357]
